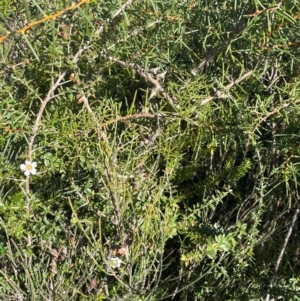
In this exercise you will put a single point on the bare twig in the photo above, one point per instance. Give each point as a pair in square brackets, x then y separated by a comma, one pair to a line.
[40, 113]
[282, 252]
[126, 118]
[49, 96]
[221, 94]
[275, 111]
[110, 171]
[116, 14]
[121, 9]
[157, 87]
[211, 54]
[44, 19]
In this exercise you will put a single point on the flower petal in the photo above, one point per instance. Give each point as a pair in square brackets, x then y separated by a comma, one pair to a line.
[23, 167]
[27, 173]
[115, 262]
[34, 164]
[33, 171]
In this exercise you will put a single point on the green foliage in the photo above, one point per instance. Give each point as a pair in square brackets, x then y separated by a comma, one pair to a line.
[167, 142]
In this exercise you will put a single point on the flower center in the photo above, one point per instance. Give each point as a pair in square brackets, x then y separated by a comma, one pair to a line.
[29, 167]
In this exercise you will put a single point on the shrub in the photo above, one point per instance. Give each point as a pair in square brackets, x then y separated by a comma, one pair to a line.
[166, 141]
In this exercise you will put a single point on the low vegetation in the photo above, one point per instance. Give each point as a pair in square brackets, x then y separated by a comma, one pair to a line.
[149, 150]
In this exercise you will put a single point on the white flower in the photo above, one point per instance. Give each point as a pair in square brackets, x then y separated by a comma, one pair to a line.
[115, 262]
[29, 168]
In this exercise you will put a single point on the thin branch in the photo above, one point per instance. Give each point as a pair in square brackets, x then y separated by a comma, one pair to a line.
[49, 96]
[275, 111]
[126, 118]
[116, 14]
[157, 87]
[121, 9]
[282, 252]
[40, 113]
[221, 94]
[110, 171]
[213, 52]
[44, 19]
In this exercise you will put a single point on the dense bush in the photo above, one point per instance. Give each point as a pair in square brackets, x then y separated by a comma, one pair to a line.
[166, 139]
